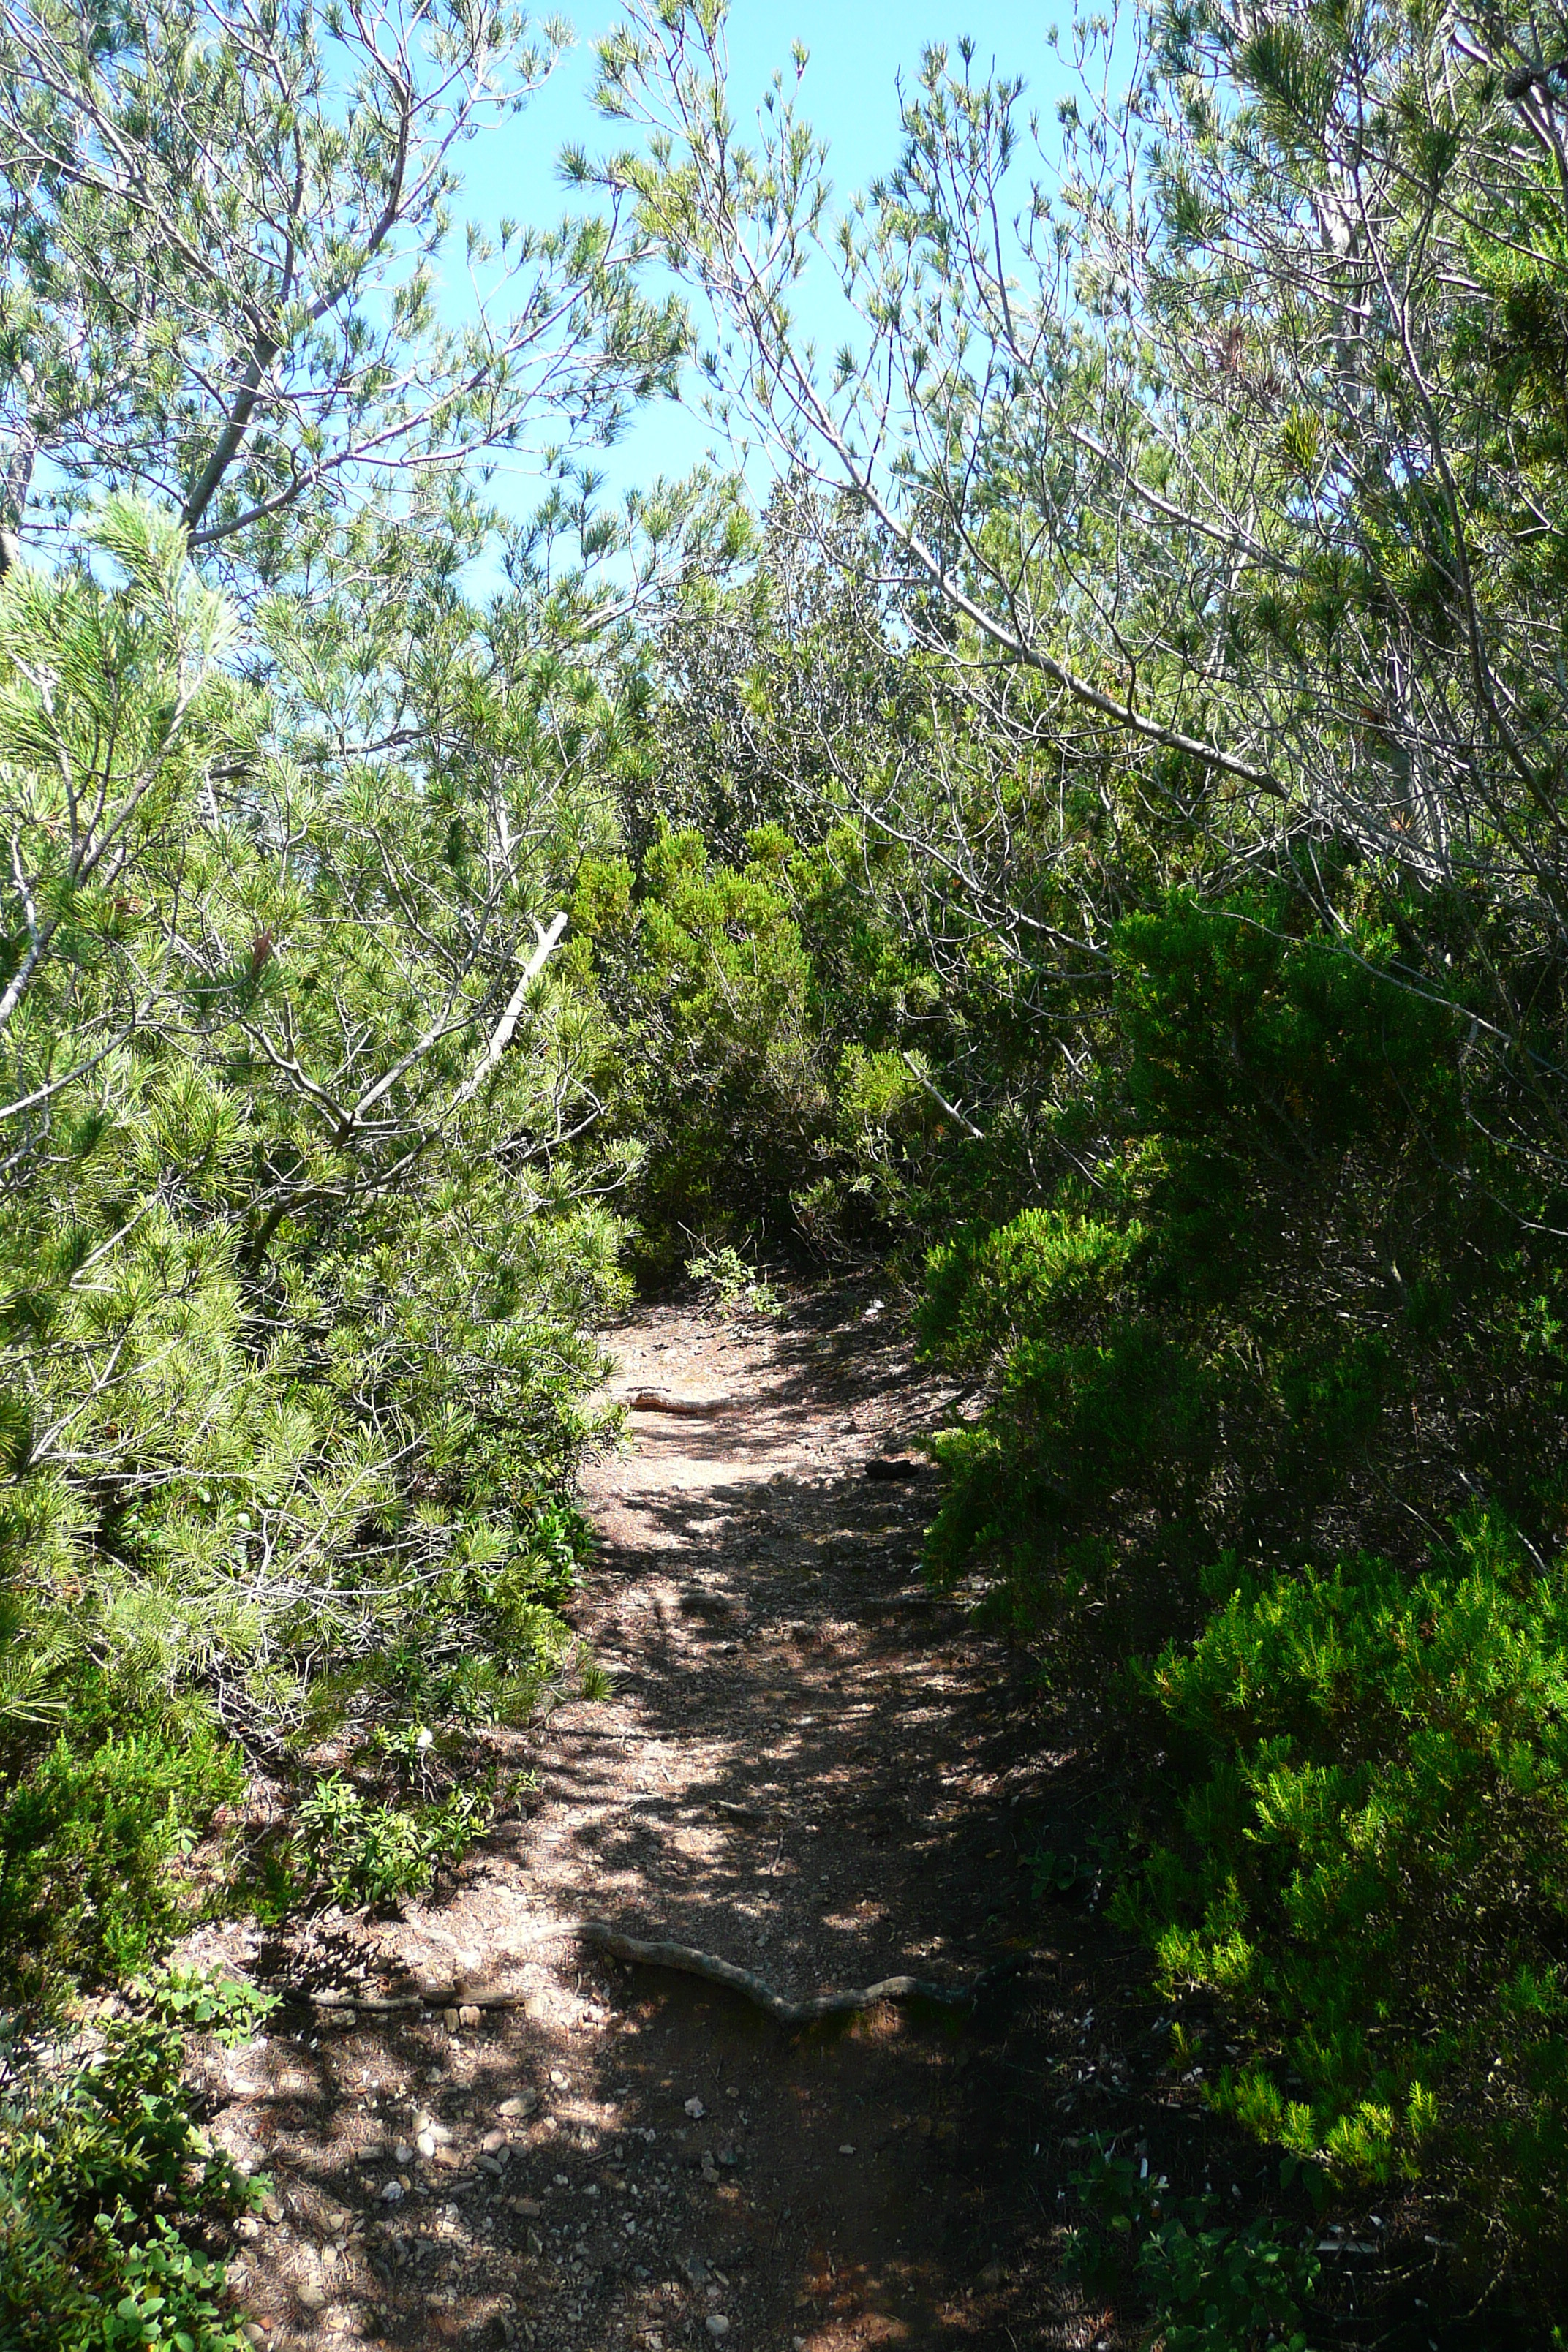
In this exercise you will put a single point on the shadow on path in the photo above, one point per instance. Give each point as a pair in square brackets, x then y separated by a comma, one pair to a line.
[807, 1768]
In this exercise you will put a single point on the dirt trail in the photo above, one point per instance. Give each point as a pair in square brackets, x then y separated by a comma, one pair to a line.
[805, 1766]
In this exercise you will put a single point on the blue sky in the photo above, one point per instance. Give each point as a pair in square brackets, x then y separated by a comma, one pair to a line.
[857, 49]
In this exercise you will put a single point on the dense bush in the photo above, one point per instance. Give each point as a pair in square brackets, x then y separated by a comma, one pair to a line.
[91, 1834]
[1290, 1303]
[291, 1346]
[1367, 1865]
[1286, 1285]
[724, 1088]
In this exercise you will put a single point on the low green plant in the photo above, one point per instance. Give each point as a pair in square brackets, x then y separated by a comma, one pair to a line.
[559, 1544]
[193, 2001]
[89, 1835]
[1056, 1875]
[594, 1682]
[363, 1852]
[1209, 2287]
[1364, 1862]
[733, 1283]
[102, 2164]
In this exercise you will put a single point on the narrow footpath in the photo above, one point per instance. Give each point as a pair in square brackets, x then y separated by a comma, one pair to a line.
[806, 1767]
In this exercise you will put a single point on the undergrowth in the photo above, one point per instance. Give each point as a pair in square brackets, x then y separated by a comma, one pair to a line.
[105, 2173]
[1206, 2285]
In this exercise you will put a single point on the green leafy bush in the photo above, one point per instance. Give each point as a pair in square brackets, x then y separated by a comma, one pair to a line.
[89, 1836]
[1368, 1864]
[1208, 2288]
[732, 1282]
[101, 2161]
[363, 1852]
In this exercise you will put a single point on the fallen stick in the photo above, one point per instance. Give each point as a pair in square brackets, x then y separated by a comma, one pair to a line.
[695, 1408]
[687, 1960]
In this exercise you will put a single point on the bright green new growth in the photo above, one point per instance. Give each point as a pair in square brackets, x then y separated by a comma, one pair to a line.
[1368, 1862]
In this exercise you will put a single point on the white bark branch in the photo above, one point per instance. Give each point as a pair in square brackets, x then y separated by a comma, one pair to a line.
[506, 1026]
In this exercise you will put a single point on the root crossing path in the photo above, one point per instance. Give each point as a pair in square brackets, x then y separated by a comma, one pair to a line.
[484, 2128]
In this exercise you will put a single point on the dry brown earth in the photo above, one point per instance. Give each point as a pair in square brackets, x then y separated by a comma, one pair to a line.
[806, 1766]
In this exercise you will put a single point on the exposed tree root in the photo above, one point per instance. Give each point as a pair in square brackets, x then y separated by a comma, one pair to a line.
[659, 1953]
[694, 1408]
[689, 1961]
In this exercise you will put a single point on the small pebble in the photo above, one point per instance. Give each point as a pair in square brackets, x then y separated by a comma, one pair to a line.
[310, 2296]
[392, 2193]
[717, 2323]
[846, 2148]
[470, 2016]
[695, 2109]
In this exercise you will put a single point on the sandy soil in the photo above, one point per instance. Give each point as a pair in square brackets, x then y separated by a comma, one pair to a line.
[806, 1767]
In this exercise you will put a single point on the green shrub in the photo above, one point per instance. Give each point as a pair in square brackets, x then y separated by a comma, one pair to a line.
[733, 1283]
[1048, 1271]
[1369, 1866]
[101, 2162]
[719, 1079]
[1274, 1264]
[361, 1852]
[1073, 1430]
[1208, 2288]
[87, 1838]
